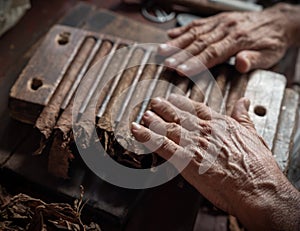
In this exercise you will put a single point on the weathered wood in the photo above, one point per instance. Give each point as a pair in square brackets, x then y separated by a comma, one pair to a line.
[113, 104]
[286, 129]
[38, 82]
[83, 129]
[110, 199]
[48, 117]
[116, 25]
[106, 119]
[60, 153]
[218, 93]
[238, 86]
[266, 91]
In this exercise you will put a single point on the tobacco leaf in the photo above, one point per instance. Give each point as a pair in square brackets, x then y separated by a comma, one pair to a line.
[22, 212]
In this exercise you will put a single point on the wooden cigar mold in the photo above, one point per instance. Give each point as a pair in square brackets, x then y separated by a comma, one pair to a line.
[44, 95]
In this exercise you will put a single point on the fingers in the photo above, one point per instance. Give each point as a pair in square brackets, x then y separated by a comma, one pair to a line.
[214, 54]
[185, 36]
[164, 147]
[174, 45]
[249, 60]
[196, 47]
[185, 104]
[175, 32]
[203, 25]
[172, 114]
[154, 142]
[172, 131]
[240, 113]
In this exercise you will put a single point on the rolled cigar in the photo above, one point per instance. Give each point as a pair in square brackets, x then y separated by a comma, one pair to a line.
[122, 132]
[48, 117]
[238, 87]
[181, 85]
[105, 122]
[163, 86]
[200, 86]
[85, 126]
[216, 96]
[60, 154]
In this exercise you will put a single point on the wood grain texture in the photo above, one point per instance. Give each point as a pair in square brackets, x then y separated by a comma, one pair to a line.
[266, 91]
[286, 129]
[38, 81]
[109, 200]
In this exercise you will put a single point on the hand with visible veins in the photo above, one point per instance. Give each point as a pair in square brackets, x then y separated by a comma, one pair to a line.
[241, 176]
[257, 39]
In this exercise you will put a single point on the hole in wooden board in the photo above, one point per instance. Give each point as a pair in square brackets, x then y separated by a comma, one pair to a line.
[36, 84]
[63, 38]
[260, 110]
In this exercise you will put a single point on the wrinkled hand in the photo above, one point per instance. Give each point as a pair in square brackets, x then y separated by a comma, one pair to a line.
[227, 161]
[258, 39]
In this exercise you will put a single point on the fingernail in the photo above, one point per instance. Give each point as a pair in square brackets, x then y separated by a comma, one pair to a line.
[172, 95]
[135, 126]
[183, 67]
[247, 103]
[149, 113]
[248, 63]
[163, 46]
[156, 100]
[170, 61]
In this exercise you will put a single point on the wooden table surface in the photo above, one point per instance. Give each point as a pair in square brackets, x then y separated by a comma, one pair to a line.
[16, 49]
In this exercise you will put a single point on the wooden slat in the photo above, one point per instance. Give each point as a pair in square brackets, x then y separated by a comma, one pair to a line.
[286, 128]
[38, 82]
[266, 91]
[112, 200]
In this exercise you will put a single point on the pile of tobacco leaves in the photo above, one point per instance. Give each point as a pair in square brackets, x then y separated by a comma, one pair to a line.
[22, 212]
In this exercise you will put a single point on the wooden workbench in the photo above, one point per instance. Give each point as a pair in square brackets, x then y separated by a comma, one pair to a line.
[132, 209]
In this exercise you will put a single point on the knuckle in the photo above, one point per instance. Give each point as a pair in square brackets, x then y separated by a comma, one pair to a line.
[172, 126]
[176, 118]
[154, 125]
[202, 142]
[165, 110]
[166, 144]
[206, 128]
[240, 35]
[202, 111]
[194, 32]
[212, 52]
[194, 23]
[200, 44]
[173, 129]
[144, 137]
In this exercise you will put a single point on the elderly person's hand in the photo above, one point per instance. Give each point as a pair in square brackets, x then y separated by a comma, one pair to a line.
[258, 39]
[228, 162]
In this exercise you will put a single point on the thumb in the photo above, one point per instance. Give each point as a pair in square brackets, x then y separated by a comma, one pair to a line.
[240, 113]
[248, 60]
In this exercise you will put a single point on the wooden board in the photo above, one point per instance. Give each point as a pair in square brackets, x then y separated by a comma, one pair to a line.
[59, 81]
[111, 210]
[20, 162]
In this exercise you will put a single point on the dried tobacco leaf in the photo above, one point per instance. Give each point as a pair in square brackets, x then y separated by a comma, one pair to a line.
[23, 212]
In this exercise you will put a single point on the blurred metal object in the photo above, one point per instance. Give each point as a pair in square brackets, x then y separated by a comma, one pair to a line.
[155, 13]
[237, 5]
[10, 13]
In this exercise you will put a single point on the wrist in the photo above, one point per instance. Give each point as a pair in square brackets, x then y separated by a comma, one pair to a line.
[273, 206]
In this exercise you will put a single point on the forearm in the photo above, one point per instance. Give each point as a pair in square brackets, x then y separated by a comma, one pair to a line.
[276, 208]
[292, 13]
